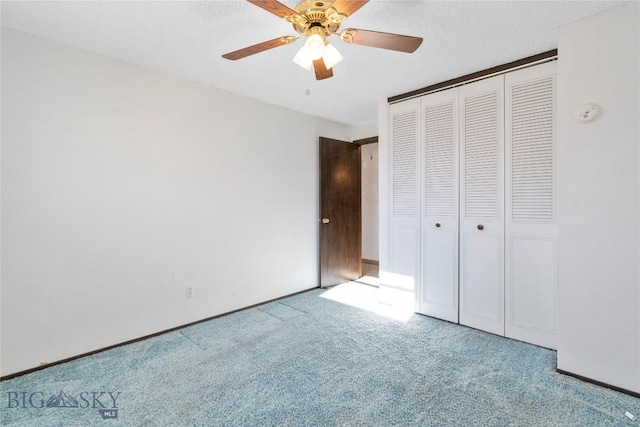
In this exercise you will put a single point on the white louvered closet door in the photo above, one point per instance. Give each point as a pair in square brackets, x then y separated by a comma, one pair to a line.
[438, 291]
[531, 227]
[403, 271]
[482, 205]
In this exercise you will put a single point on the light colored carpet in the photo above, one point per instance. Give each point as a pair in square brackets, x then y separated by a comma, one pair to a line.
[310, 360]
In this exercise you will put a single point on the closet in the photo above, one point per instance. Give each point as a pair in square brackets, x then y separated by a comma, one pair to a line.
[472, 204]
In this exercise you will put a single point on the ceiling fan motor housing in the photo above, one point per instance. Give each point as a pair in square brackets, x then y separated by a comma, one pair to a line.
[312, 14]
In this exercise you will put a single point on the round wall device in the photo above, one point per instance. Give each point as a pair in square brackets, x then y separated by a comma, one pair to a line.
[587, 112]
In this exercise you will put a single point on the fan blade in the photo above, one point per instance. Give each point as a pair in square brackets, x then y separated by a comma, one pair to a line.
[382, 40]
[256, 48]
[321, 70]
[274, 7]
[348, 7]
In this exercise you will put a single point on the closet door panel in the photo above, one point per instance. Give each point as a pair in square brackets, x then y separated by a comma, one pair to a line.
[531, 303]
[403, 271]
[482, 205]
[531, 228]
[438, 294]
[440, 267]
[482, 273]
[404, 257]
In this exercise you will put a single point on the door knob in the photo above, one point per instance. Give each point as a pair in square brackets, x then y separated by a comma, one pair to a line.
[438, 225]
[480, 227]
[325, 220]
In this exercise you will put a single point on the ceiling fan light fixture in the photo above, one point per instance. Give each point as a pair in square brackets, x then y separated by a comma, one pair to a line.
[315, 46]
[303, 58]
[331, 56]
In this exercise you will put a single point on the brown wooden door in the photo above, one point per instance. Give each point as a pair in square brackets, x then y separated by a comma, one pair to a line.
[340, 212]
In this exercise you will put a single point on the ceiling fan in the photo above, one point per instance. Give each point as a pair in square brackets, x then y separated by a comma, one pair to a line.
[316, 20]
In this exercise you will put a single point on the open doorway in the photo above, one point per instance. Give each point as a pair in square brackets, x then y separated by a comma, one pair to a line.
[348, 211]
[370, 202]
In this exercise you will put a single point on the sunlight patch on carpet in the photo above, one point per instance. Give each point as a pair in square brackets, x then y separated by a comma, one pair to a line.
[366, 297]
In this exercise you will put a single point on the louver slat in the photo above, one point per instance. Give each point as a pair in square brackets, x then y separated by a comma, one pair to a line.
[481, 156]
[532, 151]
[404, 164]
[439, 190]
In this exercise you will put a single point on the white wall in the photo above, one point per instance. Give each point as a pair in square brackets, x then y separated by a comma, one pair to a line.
[369, 153]
[365, 130]
[599, 199]
[121, 186]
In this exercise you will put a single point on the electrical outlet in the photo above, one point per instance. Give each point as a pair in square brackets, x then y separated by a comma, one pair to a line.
[188, 290]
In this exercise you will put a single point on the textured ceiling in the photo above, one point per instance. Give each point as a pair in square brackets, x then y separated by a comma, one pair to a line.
[187, 39]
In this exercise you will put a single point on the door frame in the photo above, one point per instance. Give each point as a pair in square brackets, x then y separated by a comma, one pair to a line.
[358, 142]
